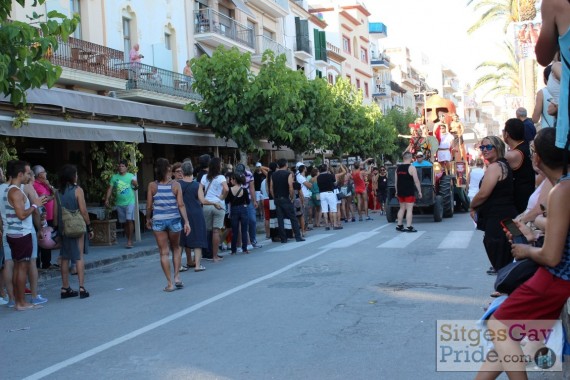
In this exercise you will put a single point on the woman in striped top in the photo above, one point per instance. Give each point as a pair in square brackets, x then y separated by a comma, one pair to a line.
[165, 207]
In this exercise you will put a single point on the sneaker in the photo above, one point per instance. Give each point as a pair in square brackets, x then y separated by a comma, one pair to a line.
[3, 301]
[249, 246]
[11, 304]
[257, 245]
[239, 250]
[28, 291]
[369, 218]
[39, 300]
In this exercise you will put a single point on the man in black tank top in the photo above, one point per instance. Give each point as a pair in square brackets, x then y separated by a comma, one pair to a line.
[520, 161]
[281, 188]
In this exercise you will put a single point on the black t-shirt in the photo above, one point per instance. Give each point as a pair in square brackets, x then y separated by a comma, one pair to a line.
[382, 183]
[326, 182]
[280, 181]
[258, 177]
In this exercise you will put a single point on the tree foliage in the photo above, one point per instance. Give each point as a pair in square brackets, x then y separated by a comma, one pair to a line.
[500, 77]
[505, 11]
[25, 49]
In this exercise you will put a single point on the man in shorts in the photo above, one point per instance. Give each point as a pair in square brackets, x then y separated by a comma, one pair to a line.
[124, 185]
[19, 228]
[406, 182]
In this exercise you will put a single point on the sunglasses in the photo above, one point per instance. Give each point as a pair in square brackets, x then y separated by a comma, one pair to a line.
[483, 148]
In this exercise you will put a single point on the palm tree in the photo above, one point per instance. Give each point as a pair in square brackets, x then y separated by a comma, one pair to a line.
[501, 77]
[507, 11]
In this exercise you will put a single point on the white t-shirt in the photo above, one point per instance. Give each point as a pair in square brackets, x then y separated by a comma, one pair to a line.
[215, 189]
[474, 179]
[302, 179]
[264, 192]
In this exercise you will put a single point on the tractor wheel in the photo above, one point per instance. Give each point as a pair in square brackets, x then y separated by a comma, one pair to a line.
[446, 192]
[390, 214]
[438, 209]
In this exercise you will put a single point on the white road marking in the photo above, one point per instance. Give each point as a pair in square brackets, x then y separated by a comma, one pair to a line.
[115, 342]
[351, 240]
[402, 240]
[456, 239]
[292, 244]
[384, 226]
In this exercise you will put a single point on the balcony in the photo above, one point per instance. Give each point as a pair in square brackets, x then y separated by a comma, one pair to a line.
[89, 65]
[303, 48]
[410, 80]
[380, 60]
[450, 85]
[214, 29]
[274, 8]
[277, 48]
[381, 91]
[149, 84]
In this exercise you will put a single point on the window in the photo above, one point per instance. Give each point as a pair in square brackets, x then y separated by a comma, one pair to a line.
[167, 41]
[366, 93]
[358, 83]
[268, 34]
[75, 7]
[346, 44]
[318, 73]
[126, 37]
[330, 79]
[364, 55]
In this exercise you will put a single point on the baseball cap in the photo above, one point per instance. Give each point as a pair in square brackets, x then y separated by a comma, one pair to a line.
[419, 154]
[299, 164]
[258, 165]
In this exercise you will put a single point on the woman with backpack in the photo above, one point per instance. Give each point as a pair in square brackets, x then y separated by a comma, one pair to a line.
[71, 199]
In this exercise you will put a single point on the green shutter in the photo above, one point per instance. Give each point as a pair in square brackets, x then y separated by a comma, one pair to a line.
[317, 45]
[323, 43]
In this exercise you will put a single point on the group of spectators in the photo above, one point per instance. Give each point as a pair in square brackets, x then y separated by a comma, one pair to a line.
[537, 203]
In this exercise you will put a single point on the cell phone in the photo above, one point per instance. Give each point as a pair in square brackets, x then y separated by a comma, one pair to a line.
[518, 237]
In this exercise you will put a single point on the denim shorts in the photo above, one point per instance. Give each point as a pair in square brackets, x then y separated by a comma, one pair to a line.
[172, 225]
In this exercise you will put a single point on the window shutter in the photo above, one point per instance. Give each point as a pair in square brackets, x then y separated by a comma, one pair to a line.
[323, 43]
[317, 45]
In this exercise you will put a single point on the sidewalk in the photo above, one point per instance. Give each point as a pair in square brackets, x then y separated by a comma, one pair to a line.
[101, 256]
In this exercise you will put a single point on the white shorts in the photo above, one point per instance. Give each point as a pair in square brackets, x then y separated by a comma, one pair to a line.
[328, 201]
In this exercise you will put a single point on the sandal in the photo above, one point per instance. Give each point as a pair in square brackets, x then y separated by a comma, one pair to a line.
[200, 268]
[83, 293]
[68, 292]
[183, 268]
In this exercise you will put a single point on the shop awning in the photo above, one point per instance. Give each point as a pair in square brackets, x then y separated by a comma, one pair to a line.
[242, 7]
[104, 105]
[175, 136]
[57, 128]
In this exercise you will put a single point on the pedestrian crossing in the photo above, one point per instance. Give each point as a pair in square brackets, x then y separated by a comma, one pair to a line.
[402, 240]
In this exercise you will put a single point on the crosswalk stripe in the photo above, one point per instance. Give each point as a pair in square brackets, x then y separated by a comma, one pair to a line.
[351, 240]
[456, 239]
[402, 240]
[292, 245]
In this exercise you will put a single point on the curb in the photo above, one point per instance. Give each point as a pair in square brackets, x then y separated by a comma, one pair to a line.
[48, 275]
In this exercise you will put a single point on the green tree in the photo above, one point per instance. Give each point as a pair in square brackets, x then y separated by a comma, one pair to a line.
[500, 77]
[276, 103]
[399, 121]
[225, 83]
[505, 11]
[381, 136]
[26, 47]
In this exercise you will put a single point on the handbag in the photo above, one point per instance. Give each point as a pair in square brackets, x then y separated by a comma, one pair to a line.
[74, 225]
[511, 276]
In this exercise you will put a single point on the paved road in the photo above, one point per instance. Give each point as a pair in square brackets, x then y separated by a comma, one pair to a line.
[360, 303]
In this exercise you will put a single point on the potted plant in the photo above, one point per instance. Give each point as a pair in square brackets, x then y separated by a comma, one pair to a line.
[104, 159]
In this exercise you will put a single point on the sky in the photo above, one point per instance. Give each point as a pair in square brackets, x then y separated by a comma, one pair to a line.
[439, 30]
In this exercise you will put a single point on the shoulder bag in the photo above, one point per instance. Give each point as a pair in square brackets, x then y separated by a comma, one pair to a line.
[74, 225]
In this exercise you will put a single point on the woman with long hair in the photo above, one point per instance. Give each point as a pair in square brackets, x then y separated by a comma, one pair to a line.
[71, 197]
[215, 188]
[164, 208]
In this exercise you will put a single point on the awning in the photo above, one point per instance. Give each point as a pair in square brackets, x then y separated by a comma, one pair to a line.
[57, 128]
[204, 49]
[104, 105]
[175, 136]
[242, 7]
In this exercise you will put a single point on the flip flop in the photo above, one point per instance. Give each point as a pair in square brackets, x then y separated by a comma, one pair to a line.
[200, 269]
[168, 290]
[183, 268]
[179, 285]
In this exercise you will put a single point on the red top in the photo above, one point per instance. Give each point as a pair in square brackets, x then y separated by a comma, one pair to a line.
[359, 185]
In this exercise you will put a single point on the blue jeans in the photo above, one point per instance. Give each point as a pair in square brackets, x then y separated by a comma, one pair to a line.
[252, 223]
[239, 217]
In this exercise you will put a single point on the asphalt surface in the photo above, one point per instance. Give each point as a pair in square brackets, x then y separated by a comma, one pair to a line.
[359, 303]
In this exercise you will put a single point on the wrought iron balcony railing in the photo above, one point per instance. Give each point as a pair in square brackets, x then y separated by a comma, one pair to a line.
[87, 56]
[150, 78]
[276, 47]
[210, 21]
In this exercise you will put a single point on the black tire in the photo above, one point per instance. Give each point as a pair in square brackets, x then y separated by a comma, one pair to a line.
[438, 209]
[390, 214]
[446, 192]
